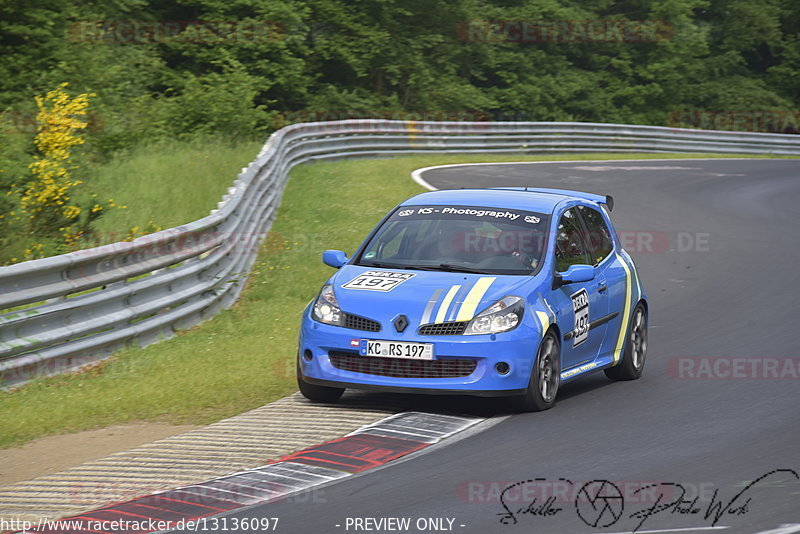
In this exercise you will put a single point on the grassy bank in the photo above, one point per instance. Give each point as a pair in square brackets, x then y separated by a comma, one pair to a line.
[170, 183]
[244, 357]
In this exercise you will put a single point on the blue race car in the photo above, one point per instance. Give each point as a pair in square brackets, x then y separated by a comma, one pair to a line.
[490, 292]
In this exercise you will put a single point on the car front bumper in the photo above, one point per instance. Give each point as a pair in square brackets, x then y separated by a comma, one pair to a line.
[328, 356]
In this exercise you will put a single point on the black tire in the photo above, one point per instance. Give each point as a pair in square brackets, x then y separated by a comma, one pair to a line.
[315, 393]
[635, 353]
[545, 378]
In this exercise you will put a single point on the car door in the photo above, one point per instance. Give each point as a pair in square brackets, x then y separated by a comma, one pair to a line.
[617, 270]
[577, 304]
[601, 247]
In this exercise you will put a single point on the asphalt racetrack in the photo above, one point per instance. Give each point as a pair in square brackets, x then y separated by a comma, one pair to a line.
[716, 244]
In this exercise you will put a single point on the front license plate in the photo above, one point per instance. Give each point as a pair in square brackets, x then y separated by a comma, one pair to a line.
[396, 349]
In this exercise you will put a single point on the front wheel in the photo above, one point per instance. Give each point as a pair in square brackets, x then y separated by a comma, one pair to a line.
[316, 393]
[632, 364]
[545, 378]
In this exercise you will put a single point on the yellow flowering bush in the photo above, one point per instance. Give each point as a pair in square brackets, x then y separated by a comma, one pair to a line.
[45, 200]
[47, 209]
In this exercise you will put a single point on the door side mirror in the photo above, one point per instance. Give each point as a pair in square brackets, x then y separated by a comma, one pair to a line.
[334, 258]
[575, 273]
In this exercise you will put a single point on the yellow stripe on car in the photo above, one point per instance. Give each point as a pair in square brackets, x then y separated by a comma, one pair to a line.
[638, 282]
[442, 313]
[623, 326]
[544, 319]
[474, 297]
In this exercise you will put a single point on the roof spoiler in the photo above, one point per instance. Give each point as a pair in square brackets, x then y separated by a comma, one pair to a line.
[608, 200]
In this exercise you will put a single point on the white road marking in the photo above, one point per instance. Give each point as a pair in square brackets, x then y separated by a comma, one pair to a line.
[788, 528]
[600, 168]
[416, 174]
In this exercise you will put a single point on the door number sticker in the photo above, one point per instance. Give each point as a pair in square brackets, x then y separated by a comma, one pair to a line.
[580, 305]
[378, 280]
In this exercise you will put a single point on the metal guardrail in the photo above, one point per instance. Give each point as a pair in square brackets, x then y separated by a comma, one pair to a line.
[77, 308]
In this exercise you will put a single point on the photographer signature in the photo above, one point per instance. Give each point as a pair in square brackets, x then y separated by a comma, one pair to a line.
[600, 503]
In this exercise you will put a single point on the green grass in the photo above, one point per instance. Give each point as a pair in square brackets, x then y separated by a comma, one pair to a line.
[243, 358]
[169, 183]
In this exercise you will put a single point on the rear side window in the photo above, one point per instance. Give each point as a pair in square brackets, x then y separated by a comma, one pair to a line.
[599, 235]
[571, 248]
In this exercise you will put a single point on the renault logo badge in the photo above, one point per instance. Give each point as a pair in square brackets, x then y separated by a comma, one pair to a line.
[400, 323]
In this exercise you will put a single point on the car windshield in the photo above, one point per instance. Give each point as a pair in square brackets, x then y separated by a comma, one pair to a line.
[459, 238]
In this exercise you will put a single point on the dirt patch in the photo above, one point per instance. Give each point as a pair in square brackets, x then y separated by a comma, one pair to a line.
[55, 453]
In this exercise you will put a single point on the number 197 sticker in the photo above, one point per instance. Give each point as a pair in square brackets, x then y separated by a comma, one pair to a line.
[377, 280]
[580, 305]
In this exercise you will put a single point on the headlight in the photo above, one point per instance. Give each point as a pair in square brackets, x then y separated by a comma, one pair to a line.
[326, 308]
[502, 316]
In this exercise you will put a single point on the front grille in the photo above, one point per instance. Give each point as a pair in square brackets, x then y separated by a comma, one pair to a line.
[401, 367]
[443, 329]
[361, 323]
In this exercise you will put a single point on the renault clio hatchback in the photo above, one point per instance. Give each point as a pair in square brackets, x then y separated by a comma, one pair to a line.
[491, 292]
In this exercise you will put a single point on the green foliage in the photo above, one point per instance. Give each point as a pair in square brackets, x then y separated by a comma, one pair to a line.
[168, 182]
[15, 149]
[41, 215]
[364, 57]
[218, 103]
[173, 69]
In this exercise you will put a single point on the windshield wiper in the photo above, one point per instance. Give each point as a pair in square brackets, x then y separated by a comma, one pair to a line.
[461, 268]
[440, 267]
[398, 266]
[381, 264]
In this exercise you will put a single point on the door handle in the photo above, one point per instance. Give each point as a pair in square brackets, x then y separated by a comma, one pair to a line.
[601, 288]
